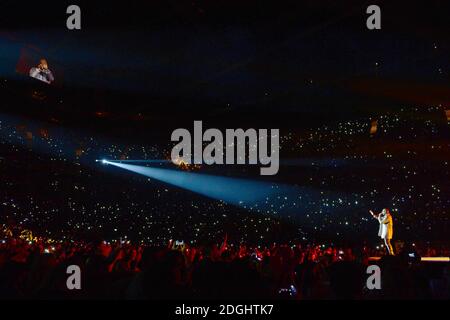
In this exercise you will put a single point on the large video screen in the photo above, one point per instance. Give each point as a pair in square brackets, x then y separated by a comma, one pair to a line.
[39, 65]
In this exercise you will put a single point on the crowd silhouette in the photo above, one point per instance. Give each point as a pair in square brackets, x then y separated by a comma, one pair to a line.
[122, 270]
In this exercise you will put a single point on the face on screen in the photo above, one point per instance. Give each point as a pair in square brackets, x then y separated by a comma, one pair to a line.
[43, 64]
[42, 72]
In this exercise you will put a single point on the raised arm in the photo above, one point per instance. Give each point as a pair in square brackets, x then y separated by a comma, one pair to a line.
[223, 247]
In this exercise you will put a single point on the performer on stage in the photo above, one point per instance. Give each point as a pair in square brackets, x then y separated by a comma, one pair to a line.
[42, 72]
[386, 229]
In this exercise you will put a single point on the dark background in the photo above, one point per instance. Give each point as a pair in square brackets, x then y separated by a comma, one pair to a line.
[140, 69]
[266, 61]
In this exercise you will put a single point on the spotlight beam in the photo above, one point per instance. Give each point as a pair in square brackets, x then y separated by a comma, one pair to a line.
[236, 191]
[253, 195]
[141, 161]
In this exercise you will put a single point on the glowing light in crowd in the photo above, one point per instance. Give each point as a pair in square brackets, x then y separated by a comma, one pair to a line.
[373, 127]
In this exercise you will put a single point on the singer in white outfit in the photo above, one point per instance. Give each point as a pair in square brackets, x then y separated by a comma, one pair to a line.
[386, 229]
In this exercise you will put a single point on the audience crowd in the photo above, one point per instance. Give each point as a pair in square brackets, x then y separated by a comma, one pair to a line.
[37, 268]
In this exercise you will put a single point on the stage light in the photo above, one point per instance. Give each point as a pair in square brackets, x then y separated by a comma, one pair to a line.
[104, 161]
[424, 259]
[436, 259]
